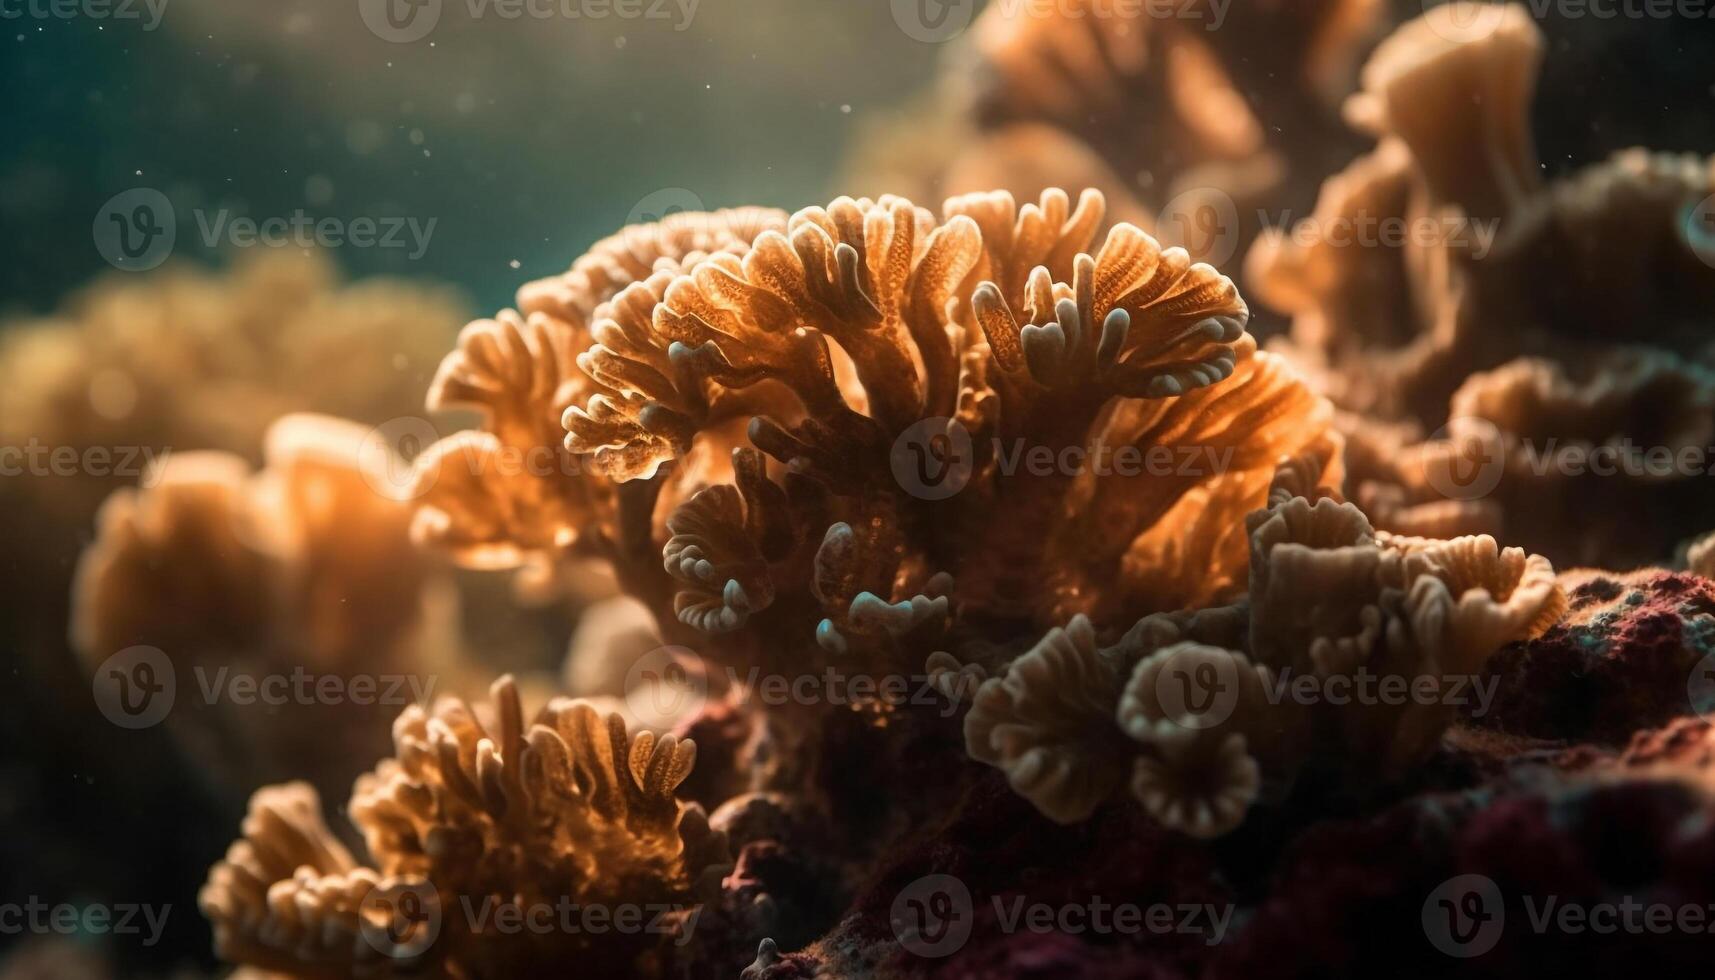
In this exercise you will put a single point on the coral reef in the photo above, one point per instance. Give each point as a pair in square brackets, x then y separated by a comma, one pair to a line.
[1192, 119]
[1478, 401]
[305, 567]
[982, 579]
[752, 428]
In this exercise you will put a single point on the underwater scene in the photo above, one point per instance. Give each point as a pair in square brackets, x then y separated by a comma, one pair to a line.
[857, 489]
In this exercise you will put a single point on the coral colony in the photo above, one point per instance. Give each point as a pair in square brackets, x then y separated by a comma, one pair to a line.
[977, 564]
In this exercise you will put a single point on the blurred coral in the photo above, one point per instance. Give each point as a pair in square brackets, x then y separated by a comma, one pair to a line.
[306, 566]
[1544, 404]
[186, 360]
[1193, 117]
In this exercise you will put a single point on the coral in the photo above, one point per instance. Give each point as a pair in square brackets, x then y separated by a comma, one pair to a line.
[1330, 605]
[1045, 724]
[305, 566]
[567, 812]
[1159, 112]
[509, 492]
[1193, 777]
[822, 345]
[137, 367]
[186, 359]
[1474, 397]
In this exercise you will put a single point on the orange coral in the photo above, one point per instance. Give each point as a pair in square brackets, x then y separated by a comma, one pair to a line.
[567, 811]
[307, 565]
[510, 492]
